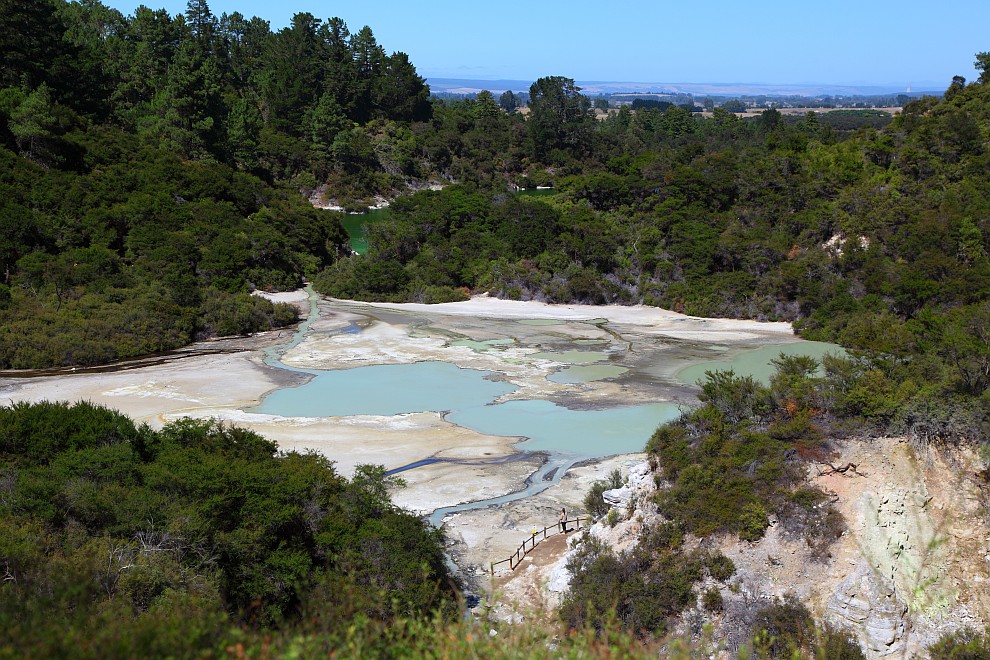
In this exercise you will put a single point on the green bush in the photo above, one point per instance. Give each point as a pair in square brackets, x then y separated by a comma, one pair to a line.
[728, 476]
[240, 314]
[965, 644]
[720, 567]
[593, 502]
[784, 629]
[712, 600]
[640, 590]
[106, 526]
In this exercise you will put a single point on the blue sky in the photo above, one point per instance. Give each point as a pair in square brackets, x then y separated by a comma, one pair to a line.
[918, 42]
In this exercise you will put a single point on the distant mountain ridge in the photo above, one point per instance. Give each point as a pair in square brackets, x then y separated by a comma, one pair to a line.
[472, 86]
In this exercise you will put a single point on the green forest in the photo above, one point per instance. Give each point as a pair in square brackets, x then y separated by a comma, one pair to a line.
[152, 167]
[156, 170]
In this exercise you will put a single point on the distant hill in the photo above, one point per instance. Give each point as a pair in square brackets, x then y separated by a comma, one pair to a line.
[470, 86]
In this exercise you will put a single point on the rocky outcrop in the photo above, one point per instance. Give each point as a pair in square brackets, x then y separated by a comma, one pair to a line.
[632, 502]
[913, 565]
[640, 479]
[618, 498]
[867, 603]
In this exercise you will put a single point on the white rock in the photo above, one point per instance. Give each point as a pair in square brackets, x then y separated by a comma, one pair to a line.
[619, 497]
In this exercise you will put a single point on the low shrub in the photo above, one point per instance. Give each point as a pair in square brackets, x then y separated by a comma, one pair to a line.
[712, 600]
[965, 644]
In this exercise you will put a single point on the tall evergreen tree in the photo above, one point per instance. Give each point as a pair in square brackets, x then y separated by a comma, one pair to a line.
[400, 93]
[187, 110]
[149, 43]
[32, 50]
[33, 124]
[292, 76]
[560, 116]
[369, 58]
[341, 77]
[202, 22]
[245, 42]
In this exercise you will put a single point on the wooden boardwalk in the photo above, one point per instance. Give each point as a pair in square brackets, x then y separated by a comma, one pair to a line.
[528, 545]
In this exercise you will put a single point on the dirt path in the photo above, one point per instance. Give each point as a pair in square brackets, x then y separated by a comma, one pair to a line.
[521, 594]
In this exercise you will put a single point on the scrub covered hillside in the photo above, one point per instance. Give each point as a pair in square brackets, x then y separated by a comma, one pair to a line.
[120, 541]
[154, 171]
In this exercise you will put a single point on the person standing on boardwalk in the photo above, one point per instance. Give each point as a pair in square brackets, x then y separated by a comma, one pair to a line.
[563, 520]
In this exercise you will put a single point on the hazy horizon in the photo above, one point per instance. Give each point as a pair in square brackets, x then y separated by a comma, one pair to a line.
[856, 44]
[440, 84]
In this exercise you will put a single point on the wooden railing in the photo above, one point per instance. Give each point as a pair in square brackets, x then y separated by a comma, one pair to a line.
[529, 544]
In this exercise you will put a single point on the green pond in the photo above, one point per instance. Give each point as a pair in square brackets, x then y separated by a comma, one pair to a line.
[756, 362]
[386, 389]
[355, 224]
[586, 373]
[469, 396]
[537, 192]
[558, 430]
[571, 357]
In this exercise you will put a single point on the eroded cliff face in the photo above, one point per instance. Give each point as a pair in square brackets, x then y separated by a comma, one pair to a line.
[913, 564]
[917, 548]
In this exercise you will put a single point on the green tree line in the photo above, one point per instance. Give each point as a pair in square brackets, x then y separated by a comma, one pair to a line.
[150, 169]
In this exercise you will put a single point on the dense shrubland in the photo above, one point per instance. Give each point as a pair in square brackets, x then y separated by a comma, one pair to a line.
[642, 590]
[127, 541]
[142, 252]
[726, 468]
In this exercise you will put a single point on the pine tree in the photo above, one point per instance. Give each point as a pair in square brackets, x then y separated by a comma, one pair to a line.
[33, 124]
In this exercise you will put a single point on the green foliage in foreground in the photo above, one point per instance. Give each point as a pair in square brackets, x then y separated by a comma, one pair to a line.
[200, 540]
[786, 629]
[124, 541]
[641, 590]
[966, 644]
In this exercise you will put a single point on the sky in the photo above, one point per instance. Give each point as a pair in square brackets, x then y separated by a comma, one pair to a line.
[922, 43]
